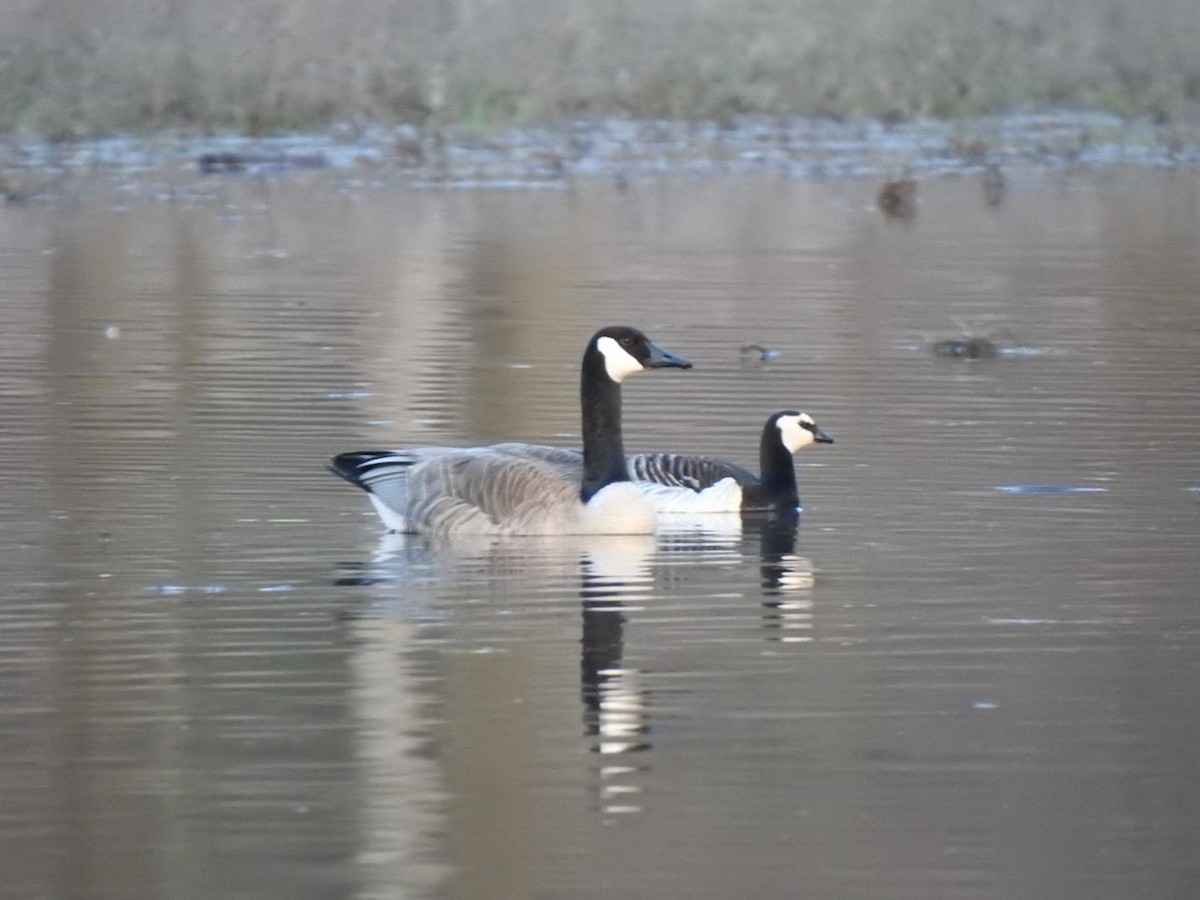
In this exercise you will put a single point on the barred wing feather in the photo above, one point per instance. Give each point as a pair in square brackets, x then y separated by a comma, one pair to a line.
[687, 471]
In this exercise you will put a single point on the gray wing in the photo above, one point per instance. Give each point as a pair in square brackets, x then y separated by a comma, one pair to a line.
[683, 470]
[562, 456]
[502, 489]
[490, 491]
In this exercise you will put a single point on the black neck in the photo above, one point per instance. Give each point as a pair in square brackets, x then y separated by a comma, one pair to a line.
[603, 449]
[777, 469]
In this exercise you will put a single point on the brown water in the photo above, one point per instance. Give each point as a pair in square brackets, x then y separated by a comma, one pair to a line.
[970, 672]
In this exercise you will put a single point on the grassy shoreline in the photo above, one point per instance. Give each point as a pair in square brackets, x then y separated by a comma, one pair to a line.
[70, 69]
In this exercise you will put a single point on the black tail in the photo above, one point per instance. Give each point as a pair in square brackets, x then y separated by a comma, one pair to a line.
[356, 466]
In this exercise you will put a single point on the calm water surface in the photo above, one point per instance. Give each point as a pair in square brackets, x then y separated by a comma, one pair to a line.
[970, 671]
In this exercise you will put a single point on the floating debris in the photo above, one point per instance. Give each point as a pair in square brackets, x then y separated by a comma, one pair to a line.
[966, 348]
[230, 162]
[977, 346]
[898, 199]
[758, 353]
[211, 163]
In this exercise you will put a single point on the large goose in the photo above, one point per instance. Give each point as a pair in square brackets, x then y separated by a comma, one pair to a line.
[680, 482]
[518, 488]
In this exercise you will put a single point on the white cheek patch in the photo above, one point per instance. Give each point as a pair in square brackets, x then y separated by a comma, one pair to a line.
[617, 361]
[794, 435]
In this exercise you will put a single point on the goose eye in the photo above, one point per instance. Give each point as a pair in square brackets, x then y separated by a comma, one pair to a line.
[626, 341]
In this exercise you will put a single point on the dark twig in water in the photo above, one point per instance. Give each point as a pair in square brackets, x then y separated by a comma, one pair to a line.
[757, 352]
[227, 162]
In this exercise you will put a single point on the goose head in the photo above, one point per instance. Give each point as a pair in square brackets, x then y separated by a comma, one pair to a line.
[612, 355]
[623, 350]
[797, 430]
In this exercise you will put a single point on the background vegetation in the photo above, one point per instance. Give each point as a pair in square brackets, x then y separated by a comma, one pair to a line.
[70, 68]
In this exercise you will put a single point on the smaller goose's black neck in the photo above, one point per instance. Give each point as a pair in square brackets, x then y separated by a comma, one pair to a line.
[603, 447]
[777, 470]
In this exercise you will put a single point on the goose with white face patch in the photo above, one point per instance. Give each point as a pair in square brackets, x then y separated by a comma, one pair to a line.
[518, 488]
[678, 482]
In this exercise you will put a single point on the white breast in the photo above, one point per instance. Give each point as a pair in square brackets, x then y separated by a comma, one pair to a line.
[619, 508]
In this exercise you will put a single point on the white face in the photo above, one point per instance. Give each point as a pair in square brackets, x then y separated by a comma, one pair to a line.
[793, 433]
[617, 361]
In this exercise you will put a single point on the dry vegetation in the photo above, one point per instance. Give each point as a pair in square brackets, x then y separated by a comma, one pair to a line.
[84, 67]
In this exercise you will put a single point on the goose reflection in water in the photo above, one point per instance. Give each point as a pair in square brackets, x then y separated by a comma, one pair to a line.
[787, 577]
[617, 575]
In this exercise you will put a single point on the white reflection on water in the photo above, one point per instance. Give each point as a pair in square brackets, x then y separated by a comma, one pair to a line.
[616, 575]
[398, 787]
[787, 578]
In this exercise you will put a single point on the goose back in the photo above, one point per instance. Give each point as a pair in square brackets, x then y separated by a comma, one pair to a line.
[485, 491]
[685, 471]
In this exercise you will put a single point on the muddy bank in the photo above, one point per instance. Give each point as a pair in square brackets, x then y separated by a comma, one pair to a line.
[623, 150]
